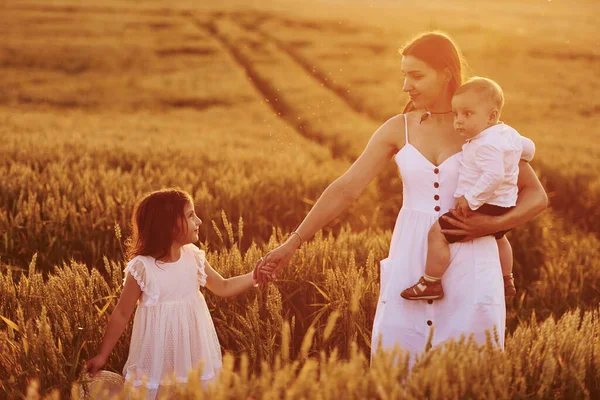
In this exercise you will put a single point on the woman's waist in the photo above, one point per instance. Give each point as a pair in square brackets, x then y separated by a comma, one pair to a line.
[426, 210]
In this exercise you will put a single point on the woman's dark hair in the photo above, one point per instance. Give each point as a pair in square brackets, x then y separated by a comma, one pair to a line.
[156, 222]
[439, 51]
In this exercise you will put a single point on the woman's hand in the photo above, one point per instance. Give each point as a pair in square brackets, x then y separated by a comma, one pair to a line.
[473, 225]
[95, 364]
[269, 266]
[531, 201]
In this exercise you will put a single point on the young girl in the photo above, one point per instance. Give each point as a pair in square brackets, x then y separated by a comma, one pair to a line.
[172, 328]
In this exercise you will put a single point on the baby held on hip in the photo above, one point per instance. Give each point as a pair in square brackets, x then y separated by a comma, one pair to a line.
[487, 181]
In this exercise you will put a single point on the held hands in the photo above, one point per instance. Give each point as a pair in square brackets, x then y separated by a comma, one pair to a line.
[268, 267]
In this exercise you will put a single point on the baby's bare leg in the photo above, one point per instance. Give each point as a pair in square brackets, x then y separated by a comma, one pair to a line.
[438, 252]
[506, 261]
[506, 255]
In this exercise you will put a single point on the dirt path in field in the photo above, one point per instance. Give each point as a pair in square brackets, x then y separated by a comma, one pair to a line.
[302, 99]
[312, 70]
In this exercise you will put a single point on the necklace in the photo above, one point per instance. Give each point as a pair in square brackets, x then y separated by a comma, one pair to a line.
[429, 114]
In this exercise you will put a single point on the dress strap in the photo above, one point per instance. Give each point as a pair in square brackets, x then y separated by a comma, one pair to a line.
[406, 128]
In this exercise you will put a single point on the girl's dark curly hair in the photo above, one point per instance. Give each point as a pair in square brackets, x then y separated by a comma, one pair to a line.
[157, 220]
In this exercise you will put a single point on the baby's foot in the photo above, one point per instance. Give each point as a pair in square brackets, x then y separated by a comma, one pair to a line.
[509, 285]
[424, 290]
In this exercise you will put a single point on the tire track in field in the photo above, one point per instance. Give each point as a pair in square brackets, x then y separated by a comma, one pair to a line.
[303, 102]
[310, 68]
[270, 93]
[295, 96]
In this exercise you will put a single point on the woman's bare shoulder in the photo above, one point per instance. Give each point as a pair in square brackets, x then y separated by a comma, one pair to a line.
[397, 120]
[396, 126]
[393, 131]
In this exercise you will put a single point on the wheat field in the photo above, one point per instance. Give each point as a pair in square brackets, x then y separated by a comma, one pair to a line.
[254, 109]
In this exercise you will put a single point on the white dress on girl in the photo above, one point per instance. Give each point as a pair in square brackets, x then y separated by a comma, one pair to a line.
[173, 331]
[473, 286]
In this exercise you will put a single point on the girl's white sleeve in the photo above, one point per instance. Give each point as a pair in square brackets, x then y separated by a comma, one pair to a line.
[200, 257]
[138, 270]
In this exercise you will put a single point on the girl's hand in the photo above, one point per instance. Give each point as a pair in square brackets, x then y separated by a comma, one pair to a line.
[95, 364]
[270, 265]
[473, 225]
[255, 274]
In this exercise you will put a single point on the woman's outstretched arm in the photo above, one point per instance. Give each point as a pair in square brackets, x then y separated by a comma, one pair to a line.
[531, 201]
[340, 194]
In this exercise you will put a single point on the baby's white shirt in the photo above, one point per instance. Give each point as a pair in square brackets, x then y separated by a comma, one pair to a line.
[489, 166]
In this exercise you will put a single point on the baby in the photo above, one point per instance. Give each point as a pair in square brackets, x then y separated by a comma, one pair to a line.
[487, 181]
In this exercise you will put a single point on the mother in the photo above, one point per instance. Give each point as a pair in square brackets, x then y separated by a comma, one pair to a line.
[427, 153]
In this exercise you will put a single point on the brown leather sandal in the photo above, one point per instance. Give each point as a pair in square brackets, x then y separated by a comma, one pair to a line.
[424, 290]
[509, 286]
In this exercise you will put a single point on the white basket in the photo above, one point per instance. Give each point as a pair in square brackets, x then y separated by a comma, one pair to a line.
[104, 385]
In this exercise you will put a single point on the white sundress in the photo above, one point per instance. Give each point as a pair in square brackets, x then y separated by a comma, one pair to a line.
[473, 285]
[173, 331]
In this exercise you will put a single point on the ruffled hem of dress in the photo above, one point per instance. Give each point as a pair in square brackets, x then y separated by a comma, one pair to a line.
[154, 385]
[152, 296]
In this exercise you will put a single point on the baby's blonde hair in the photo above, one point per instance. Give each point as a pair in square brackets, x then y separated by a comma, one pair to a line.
[486, 88]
